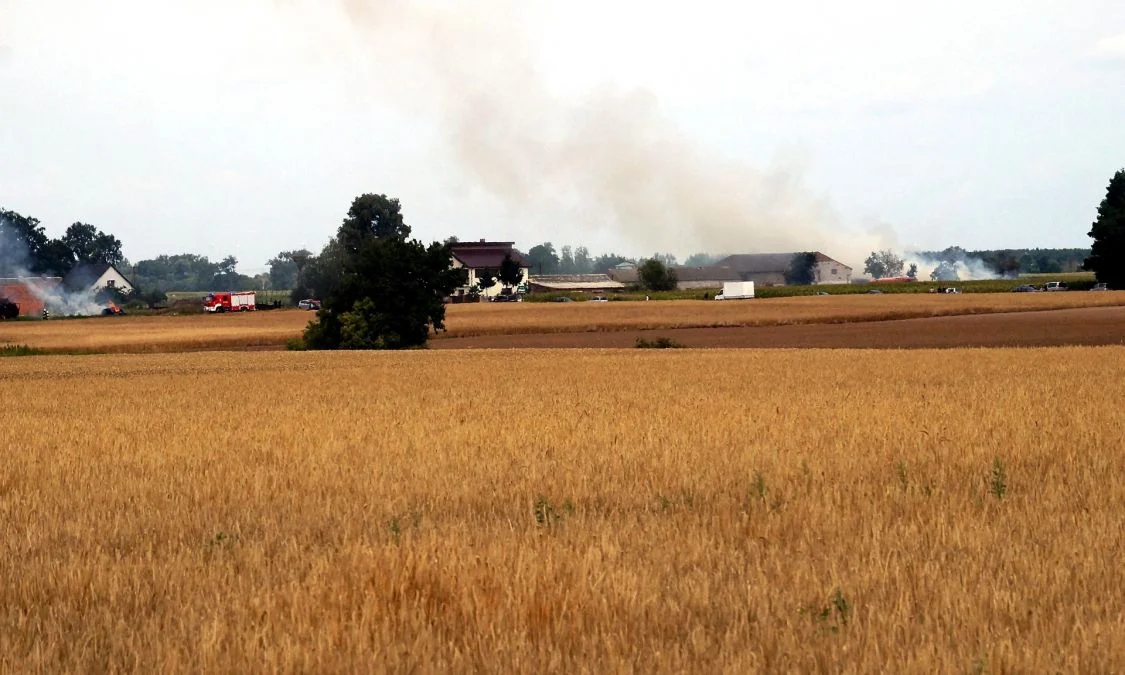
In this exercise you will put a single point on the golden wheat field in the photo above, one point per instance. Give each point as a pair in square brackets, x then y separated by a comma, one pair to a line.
[564, 511]
[271, 329]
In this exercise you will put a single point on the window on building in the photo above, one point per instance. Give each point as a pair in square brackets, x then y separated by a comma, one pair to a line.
[833, 271]
[111, 283]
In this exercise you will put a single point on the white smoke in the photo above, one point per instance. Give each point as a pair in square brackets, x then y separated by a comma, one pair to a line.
[610, 159]
[962, 268]
[15, 267]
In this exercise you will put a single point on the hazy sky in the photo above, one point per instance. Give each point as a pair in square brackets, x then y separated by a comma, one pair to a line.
[246, 127]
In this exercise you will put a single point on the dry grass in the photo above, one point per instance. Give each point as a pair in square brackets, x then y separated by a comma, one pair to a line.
[591, 511]
[158, 333]
[264, 329]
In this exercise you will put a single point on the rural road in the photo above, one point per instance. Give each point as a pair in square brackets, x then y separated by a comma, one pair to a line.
[1086, 326]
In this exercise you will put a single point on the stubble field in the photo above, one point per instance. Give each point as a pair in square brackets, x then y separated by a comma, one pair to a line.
[520, 511]
[272, 329]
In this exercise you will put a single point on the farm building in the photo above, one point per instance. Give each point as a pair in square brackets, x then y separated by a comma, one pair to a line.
[573, 283]
[764, 269]
[483, 256]
[91, 278]
[768, 269]
[29, 292]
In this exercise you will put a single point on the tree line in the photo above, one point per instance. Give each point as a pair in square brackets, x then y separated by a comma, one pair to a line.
[545, 259]
[26, 249]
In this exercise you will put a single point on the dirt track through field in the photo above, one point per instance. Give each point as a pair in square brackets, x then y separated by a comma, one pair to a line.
[1086, 326]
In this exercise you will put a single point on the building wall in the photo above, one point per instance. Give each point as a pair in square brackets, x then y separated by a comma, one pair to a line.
[765, 278]
[491, 292]
[832, 272]
[692, 285]
[119, 281]
[30, 304]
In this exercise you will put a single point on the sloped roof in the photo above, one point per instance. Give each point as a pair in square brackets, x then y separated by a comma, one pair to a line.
[706, 274]
[575, 282]
[756, 263]
[764, 263]
[486, 254]
[714, 273]
[84, 275]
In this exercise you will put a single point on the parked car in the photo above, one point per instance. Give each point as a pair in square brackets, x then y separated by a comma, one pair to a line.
[563, 298]
[599, 298]
[1025, 288]
[1056, 286]
[1100, 287]
[309, 304]
[874, 292]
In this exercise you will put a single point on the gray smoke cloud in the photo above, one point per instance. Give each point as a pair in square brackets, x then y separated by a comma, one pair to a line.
[15, 267]
[966, 268]
[610, 160]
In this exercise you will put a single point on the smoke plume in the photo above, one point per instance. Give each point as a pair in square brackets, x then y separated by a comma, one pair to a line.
[961, 268]
[610, 160]
[15, 268]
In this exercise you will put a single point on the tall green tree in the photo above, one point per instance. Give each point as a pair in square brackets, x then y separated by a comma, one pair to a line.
[566, 260]
[510, 273]
[582, 261]
[543, 259]
[883, 263]
[1107, 255]
[286, 268]
[372, 216]
[701, 260]
[802, 269]
[606, 262]
[88, 244]
[22, 240]
[945, 271]
[654, 275]
[380, 290]
[486, 279]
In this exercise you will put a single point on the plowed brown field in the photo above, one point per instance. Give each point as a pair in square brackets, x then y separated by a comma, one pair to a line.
[1091, 326]
[620, 321]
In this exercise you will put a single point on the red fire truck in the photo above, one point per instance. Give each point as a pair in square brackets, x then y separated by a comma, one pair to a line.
[229, 302]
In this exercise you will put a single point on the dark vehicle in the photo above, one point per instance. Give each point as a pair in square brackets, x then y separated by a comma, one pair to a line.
[1100, 287]
[507, 295]
[8, 309]
[309, 304]
[1025, 289]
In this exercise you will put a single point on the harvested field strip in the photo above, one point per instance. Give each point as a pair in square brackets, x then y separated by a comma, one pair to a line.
[530, 318]
[1087, 326]
[273, 329]
[603, 511]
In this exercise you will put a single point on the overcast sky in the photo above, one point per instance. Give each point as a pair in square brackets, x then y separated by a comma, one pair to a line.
[246, 127]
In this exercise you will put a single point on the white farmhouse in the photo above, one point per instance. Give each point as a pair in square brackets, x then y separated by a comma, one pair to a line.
[483, 258]
[92, 278]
